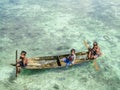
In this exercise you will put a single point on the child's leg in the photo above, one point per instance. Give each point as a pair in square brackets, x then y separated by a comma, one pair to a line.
[68, 64]
[63, 59]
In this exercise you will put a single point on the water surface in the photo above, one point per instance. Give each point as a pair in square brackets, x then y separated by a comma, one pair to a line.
[53, 27]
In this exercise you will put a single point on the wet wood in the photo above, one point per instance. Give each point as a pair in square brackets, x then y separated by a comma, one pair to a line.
[96, 65]
[16, 62]
[52, 64]
[52, 61]
[54, 57]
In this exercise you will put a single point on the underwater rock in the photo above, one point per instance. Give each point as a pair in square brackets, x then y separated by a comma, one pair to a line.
[35, 34]
[84, 79]
[106, 37]
[56, 87]
[61, 79]
[34, 49]
[4, 28]
[2, 49]
[63, 48]
[118, 37]
[109, 39]
[13, 1]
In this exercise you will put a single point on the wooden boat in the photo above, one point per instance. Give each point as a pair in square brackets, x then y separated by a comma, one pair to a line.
[48, 62]
[54, 61]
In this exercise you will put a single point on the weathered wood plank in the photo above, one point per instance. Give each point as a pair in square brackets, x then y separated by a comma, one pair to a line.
[54, 57]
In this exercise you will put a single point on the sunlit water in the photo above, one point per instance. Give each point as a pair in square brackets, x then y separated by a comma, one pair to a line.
[53, 27]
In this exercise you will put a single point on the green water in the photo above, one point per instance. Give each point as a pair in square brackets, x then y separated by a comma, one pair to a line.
[53, 27]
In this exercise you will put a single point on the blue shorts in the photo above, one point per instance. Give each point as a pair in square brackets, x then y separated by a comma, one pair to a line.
[67, 61]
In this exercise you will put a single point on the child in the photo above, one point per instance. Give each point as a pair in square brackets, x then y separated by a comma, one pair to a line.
[22, 62]
[94, 52]
[71, 58]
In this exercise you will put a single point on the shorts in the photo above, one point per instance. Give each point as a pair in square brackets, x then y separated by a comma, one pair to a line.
[67, 61]
[97, 55]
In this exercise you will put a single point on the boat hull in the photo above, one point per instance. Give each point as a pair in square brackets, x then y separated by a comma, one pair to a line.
[53, 61]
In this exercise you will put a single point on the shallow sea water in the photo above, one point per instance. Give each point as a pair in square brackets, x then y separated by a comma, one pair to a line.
[53, 27]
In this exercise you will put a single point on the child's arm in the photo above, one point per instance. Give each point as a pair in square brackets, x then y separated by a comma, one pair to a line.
[73, 62]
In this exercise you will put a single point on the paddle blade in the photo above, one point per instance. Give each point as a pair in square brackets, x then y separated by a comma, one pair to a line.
[96, 65]
[86, 44]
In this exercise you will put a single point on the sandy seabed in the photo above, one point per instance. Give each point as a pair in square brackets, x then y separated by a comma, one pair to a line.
[53, 27]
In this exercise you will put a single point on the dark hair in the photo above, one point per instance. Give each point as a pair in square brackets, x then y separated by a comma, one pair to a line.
[95, 43]
[23, 52]
[72, 50]
[89, 49]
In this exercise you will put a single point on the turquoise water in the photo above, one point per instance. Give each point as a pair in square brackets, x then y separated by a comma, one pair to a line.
[52, 27]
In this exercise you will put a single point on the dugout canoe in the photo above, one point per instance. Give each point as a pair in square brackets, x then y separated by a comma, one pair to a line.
[53, 61]
[48, 62]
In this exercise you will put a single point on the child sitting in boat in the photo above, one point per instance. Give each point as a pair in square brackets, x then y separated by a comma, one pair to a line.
[70, 59]
[94, 52]
[22, 62]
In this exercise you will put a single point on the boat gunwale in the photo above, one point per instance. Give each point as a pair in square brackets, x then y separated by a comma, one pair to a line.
[54, 57]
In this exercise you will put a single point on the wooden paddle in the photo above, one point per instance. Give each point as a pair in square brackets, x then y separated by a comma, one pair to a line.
[94, 61]
[86, 45]
[16, 63]
[96, 65]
